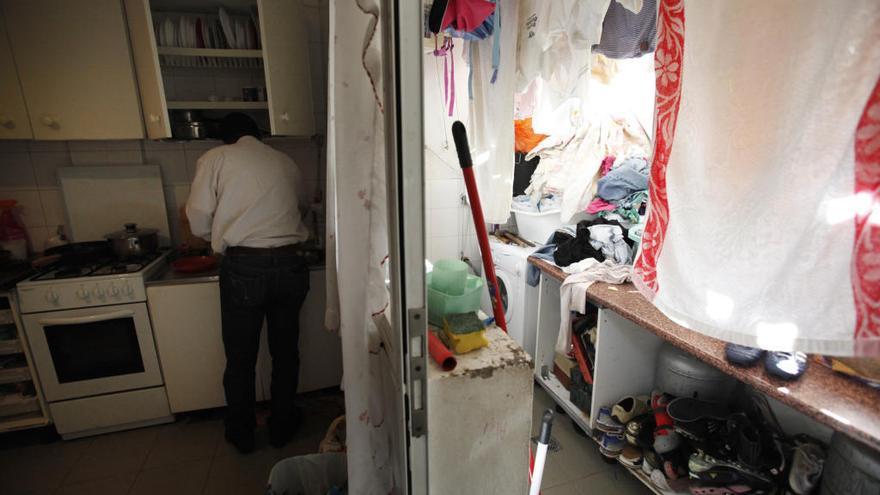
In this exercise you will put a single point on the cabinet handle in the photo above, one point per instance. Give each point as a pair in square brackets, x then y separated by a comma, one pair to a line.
[285, 117]
[50, 121]
[6, 122]
[155, 118]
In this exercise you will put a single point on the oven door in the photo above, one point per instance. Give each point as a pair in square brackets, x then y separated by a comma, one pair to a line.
[93, 351]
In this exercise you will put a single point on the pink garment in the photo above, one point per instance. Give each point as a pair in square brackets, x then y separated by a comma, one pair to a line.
[466, 15]
[598, 204]
[607, 163]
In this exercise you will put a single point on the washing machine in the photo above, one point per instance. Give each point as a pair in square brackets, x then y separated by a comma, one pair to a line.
[519, 299]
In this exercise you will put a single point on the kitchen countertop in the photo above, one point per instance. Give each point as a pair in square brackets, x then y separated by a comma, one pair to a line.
[822, 394]
[167, 276]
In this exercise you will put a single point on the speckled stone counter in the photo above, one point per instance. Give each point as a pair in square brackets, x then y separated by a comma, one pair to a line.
[830, 398]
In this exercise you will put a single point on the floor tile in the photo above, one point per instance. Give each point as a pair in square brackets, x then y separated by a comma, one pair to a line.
[115, 485]
[241, 473]
[39, 468]
[184, 479]
[113, 454]
[186, 440]
[606, 483]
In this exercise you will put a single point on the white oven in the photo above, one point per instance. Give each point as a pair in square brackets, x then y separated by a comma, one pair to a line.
[93, 351]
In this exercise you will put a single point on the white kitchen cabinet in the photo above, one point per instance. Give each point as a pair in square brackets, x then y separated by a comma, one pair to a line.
[75, 68]
[14, 121]
[186, 324]
[175, 76]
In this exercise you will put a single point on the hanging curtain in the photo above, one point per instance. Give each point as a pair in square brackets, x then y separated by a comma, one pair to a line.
[764, 226]
[357, 242]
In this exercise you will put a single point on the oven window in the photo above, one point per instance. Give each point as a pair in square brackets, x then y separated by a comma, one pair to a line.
[92, 350]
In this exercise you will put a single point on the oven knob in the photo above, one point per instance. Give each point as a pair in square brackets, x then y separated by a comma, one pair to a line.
[82, 293]
[52, 296]
[114, 291]
[98, 292]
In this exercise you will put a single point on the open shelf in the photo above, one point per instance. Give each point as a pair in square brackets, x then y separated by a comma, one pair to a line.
[218, 105]
[15, 375]
[560, 394]
[209, 52]
[10, 347]
[20, 421]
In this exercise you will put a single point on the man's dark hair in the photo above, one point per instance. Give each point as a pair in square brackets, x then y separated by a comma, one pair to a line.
[236, 125]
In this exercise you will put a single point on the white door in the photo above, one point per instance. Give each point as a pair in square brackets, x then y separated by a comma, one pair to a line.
[402, 28]
[14, 122]
[146, 64]
[93, 351]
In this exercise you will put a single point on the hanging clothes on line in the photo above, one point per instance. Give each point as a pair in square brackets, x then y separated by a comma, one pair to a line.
[628, 34]
[764, 221]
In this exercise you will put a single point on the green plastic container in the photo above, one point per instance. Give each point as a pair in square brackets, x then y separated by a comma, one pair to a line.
[441, 304]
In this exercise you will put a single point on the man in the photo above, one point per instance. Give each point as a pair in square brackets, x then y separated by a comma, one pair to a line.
[244, 200]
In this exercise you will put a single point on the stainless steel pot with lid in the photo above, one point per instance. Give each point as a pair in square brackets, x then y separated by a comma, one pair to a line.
[132, 241]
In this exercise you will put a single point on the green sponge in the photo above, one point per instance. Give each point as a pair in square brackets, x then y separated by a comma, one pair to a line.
[462, 323]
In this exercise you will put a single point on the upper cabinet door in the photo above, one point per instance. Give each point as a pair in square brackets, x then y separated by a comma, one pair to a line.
[286, 58]
[146, 64]
[75, 68]
[14, 123]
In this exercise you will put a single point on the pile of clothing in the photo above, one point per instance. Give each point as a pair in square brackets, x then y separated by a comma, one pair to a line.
[685, 444]
[622, 190]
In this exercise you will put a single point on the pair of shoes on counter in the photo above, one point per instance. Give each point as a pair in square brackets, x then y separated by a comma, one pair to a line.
[785, 365]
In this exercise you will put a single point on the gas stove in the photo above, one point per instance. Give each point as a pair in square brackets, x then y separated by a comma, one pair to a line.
[100, 282]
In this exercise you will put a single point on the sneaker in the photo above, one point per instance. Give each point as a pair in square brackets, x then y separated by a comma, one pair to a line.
[742, 355]
[630, 456]
[640, 431]
[611, 445]
[709, 469]
[786, 365]
[606, 424]
[806, 466]
[629, 407]
[665, 438]
[709, 489]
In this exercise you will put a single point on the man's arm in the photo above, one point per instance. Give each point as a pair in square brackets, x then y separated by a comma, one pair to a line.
[203, 197]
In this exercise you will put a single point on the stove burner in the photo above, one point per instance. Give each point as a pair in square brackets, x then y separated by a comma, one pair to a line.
[105, 266]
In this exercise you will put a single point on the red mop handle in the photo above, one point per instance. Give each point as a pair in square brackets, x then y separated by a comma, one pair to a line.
[459, 135]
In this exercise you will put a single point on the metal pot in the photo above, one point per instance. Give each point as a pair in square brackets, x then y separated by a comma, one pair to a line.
[133, 241]
[189, 130]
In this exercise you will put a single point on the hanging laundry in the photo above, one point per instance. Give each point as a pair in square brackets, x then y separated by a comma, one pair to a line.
[526, 137]
[444, 50]
[631, 176]
[628, 34]
[764, 221]
[460, 15]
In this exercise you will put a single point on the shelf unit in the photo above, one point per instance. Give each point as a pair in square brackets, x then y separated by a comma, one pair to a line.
[218, 105]
[18, 411]
[208, 52]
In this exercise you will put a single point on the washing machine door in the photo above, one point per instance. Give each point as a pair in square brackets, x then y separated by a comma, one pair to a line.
[506, 287]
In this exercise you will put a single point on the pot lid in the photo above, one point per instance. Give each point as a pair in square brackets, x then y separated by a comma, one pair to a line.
[131, 230]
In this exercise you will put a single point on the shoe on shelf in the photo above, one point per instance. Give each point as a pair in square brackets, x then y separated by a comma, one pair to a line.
[611, 445]
[786, 365]
[665, 438]
[640, 431]
[243, 441]
[742, 355]
[806, 465]
[629, 407]
[605, 423]
[659, 480]
[710, 469]
[688, 410]
[630, 456]
[698, 488]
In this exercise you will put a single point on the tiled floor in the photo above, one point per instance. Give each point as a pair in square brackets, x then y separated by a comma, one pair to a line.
[186, 457]
[577, 467]
[191, 457]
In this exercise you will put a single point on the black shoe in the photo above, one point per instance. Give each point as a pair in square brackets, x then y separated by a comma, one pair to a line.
[786, 365]
[280, 432]
[742, 355]
[243, 441]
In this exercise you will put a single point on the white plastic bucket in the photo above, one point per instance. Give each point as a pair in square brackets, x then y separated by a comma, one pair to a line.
[537, 227]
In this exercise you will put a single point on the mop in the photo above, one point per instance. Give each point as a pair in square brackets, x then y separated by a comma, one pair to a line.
[459, 135]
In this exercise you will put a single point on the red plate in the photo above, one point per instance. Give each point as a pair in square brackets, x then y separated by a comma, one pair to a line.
[194, 264]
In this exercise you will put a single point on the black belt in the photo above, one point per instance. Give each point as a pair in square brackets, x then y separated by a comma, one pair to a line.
[288, 250]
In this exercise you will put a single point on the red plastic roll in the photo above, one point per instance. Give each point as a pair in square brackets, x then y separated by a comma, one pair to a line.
[440, 353]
